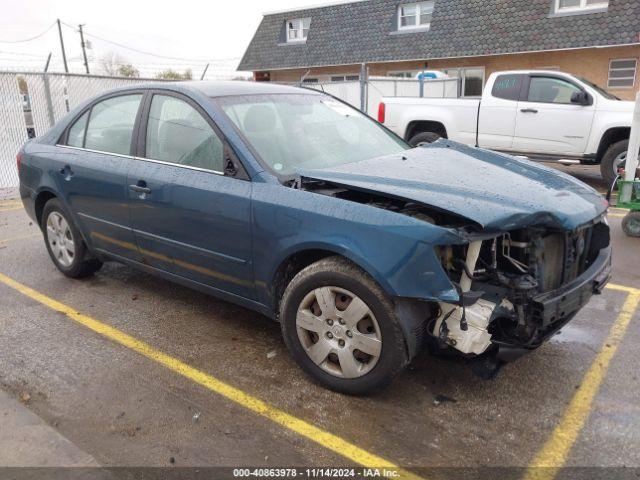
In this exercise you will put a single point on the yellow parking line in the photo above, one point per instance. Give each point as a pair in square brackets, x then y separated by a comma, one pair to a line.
[11, 209]
[623, 288]
[555, 451]
[327, 440]
[21, 237]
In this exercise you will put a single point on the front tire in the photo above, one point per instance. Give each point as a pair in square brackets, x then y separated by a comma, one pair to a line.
[64, 243]
[613, 161]
[341, 327]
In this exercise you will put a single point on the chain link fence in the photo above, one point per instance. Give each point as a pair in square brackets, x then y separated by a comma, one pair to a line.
[48, 97]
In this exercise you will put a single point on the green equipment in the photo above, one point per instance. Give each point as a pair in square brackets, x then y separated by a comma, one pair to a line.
[629, 190]
[627, 181]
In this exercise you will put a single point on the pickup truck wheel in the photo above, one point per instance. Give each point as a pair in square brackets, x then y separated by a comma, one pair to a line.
[424, 137]
[613, 161]
[65, 244]
[341, 327]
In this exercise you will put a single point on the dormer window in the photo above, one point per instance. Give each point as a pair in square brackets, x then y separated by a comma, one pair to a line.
[298, 29]
[573, 6]
[415, 15]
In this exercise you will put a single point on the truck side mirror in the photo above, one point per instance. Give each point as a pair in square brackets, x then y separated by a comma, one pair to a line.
[581, 98]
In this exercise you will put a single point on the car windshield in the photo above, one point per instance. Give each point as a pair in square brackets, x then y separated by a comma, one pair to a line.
[599, 89]
[292, 131]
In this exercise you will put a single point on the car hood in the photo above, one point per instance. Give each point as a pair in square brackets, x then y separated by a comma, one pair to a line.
[496, 191]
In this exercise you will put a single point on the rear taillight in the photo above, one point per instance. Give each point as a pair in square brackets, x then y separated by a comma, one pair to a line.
[19, 159]
[381, 112]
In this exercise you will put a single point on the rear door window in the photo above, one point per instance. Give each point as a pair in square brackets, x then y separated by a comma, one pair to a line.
[111, 122]
[507, 87]
[177, 133]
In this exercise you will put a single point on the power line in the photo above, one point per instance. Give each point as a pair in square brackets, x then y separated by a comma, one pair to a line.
[143, 52]
[32, 38]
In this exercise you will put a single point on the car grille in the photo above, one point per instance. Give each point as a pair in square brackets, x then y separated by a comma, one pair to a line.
[567, 255]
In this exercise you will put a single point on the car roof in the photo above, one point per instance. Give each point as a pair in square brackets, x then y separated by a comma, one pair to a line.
[239, 87]
[534, 72]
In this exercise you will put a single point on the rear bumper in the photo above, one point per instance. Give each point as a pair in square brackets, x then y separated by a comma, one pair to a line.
[28, 197]
[553, 310]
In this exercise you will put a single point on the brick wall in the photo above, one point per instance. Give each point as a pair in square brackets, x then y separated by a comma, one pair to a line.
[592, 64]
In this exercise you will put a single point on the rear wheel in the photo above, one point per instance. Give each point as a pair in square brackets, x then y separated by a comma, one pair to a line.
[341, 327]
[613, 161]
[65, 244]
[424, 137]
[631, 224]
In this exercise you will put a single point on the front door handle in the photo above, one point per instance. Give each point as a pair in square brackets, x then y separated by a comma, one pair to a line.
[140, 187]
[529, 110]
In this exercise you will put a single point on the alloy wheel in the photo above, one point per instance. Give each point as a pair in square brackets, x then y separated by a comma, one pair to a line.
[339, 332]
[619, 164]
[60, 239]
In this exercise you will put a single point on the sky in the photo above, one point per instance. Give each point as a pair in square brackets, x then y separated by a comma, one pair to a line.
[193, 32]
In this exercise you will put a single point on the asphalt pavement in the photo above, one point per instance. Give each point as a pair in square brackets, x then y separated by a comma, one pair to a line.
[125, 369]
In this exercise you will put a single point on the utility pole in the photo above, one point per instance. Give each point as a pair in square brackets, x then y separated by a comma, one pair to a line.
[64, 54]
[46, 65]
[84, 51]
[204, 72]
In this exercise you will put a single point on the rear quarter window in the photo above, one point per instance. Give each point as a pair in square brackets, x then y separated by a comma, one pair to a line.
[508, 87]
[75, 138]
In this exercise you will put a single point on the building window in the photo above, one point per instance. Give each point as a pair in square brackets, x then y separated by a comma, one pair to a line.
[562, 6]
[471, 80]
[298, 29]
[415, 15]
[345, 78]
[622, 73]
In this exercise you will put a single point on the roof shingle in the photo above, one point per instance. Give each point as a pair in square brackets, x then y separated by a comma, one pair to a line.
[360, 32]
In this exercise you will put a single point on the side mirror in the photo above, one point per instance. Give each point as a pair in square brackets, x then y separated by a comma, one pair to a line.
[581, 98]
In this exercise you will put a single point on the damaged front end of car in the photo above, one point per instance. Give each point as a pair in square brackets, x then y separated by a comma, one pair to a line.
[519, 288]
[525, 247]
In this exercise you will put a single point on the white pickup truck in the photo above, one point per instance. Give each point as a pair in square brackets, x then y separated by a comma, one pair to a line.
[543, 115]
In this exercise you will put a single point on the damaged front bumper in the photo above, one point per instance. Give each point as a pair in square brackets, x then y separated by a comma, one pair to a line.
[553, 310]
[508, 314]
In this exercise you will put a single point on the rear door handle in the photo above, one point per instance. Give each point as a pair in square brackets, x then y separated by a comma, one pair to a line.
[67, 172]
[140, 187]
[529, 110]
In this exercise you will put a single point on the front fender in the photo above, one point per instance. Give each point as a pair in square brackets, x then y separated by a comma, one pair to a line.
[607, 121]
[396, 250]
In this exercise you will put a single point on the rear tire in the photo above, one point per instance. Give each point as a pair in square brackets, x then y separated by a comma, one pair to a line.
[324, 340]
[610, 161]
[64, 243]
[424, 137]
[631, 224]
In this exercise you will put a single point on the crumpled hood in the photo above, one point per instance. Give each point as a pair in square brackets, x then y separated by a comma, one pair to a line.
[499, 192]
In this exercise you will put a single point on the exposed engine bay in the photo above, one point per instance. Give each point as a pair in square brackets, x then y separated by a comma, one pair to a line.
[512, 287]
